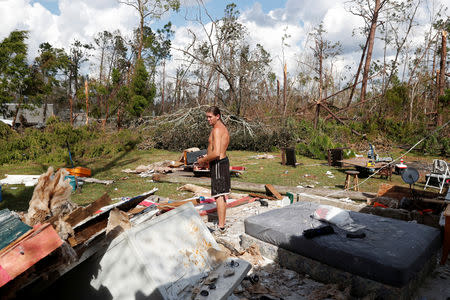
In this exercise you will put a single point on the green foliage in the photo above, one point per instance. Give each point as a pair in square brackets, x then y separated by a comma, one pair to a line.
[50, 145]
[317, 147]
[445, 99]
[137, 105]
[5, 131]
[445, 147]
[396, 99]
[142, 93]
[14, 71]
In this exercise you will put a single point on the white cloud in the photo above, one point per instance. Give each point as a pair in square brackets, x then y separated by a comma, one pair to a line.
[78, 19]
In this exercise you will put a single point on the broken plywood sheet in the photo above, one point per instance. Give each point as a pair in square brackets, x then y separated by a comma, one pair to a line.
[28, 251]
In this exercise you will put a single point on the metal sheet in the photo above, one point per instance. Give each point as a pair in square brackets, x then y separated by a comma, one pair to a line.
[11, 228]
[158, 258]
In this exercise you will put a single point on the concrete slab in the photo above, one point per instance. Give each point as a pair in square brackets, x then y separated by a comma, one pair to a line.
[360, 287]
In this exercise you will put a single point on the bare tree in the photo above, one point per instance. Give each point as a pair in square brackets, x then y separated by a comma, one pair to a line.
[149, 9]
[221, 47]
[369, 11]
[322, 50]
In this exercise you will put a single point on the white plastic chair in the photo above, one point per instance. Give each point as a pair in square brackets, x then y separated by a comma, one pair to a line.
[441, 172]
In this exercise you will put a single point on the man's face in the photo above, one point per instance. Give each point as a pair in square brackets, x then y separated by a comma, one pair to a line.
[212, 119]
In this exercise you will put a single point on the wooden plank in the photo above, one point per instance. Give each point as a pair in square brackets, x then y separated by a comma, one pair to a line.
[259, 188]
[136, 210]
[261, 196]
[87, 232]
[272, 191]
[79, 215]
[238, 202]
[168, 206]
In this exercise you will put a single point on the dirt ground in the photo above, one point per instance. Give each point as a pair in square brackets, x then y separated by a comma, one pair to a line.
[267, 280]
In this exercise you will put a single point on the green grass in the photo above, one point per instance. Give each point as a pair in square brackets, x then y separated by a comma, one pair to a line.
[310, 172]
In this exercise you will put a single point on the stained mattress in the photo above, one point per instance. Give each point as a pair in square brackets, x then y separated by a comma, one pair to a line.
[392, 252]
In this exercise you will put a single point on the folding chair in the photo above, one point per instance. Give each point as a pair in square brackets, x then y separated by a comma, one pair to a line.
[441, 172]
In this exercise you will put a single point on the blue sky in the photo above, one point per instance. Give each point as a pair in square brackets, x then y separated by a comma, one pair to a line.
[214, 7]
[51, 5]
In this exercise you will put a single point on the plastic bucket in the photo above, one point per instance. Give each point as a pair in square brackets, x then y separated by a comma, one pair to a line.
[72, 182]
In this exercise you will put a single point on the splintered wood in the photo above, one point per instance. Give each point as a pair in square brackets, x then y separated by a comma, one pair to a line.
[83, 212]
[272, 191]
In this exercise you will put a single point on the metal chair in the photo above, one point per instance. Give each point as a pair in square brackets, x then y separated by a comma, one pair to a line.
[441, 172]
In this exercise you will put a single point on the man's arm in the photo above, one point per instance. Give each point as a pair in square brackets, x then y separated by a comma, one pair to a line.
[213, 149]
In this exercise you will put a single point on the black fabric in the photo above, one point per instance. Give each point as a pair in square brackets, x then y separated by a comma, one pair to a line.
[220, 176]
[392, 252]
[191, 157]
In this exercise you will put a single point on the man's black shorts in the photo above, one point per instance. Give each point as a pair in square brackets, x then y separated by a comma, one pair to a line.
[220, 177]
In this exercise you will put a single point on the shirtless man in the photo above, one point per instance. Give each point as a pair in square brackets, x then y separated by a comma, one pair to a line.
[218, 162]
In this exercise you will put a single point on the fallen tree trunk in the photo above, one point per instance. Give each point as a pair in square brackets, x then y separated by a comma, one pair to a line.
[260, 188]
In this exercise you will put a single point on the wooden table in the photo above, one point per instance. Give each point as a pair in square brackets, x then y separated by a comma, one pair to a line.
[361, 163]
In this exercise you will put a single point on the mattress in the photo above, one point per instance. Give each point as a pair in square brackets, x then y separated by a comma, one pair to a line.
[392, 251]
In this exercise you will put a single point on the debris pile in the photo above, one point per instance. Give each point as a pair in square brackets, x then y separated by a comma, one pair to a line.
[66, 235]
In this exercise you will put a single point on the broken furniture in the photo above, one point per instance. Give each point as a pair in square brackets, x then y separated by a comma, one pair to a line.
[288, 157]
[388, 263]
[439, 172]
[349, 174]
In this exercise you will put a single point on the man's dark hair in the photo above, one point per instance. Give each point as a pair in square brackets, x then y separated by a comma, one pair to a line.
[214, 110]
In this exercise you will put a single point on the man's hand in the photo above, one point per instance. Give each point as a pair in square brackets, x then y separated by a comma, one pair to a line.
[201, 161]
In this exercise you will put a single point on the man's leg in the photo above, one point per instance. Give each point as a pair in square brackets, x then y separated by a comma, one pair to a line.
[221, 210]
